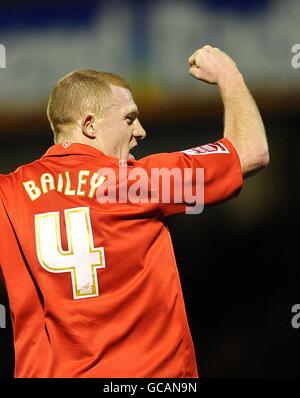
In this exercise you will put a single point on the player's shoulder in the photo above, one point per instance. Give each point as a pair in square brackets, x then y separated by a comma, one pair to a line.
[159, 159]
[179, 158]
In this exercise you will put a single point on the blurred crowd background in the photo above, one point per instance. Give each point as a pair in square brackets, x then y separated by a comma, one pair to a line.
[238, 261]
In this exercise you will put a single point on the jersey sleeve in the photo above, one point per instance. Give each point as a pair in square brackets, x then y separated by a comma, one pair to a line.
[204, 175]
[3, 240]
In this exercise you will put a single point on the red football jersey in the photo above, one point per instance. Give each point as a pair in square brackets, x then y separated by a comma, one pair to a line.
[93, 287]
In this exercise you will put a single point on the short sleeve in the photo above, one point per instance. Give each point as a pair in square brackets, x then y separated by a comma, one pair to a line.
[200, 176]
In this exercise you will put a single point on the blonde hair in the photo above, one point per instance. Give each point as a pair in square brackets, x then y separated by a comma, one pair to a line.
[78, 92]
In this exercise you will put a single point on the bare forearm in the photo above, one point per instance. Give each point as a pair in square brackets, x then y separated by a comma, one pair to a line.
[243, 124]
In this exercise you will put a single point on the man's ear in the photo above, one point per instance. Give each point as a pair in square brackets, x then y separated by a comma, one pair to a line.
[88, 126]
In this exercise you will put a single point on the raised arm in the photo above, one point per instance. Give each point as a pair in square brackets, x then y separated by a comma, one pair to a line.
[243, 125]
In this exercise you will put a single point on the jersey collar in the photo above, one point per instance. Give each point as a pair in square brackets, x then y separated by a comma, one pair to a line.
[69, 148]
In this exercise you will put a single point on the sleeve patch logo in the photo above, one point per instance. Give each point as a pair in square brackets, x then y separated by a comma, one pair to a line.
[207, 149]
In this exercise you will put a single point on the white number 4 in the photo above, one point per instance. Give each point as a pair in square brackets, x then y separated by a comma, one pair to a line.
[81, 260]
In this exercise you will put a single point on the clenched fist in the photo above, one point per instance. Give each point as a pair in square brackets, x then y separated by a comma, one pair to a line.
[212, 65]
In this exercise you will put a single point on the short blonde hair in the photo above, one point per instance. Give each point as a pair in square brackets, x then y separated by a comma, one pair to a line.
[78, 92]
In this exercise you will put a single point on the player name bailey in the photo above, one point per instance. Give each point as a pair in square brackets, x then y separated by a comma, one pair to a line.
[123, 185]
[83, 183]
